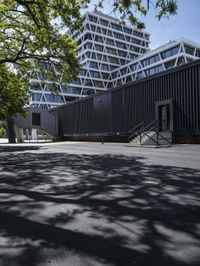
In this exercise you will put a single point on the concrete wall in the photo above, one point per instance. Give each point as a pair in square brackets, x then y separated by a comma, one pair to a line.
[48, 121]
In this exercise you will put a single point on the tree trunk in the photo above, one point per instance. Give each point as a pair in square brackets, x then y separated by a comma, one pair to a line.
[10, 130]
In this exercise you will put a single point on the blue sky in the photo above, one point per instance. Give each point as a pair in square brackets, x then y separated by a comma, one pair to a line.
[185, 24]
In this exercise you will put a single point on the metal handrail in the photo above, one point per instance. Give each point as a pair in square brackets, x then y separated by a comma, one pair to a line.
[149, 130]
[134, 128]
[146, 127]
[150, 138]
[170, 143]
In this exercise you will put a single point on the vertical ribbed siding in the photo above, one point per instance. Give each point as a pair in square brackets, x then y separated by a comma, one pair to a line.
[121, 109]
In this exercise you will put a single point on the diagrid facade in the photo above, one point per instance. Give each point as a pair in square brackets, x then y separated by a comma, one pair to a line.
[110, 54]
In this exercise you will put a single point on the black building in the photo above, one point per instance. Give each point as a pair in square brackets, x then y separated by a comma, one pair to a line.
[171, 99]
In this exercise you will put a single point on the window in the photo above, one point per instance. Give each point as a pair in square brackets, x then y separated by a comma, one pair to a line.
[93, 19]
[114, 75]
[104, 22]
[122, 61]
[189, 60]
[88, 82]
[105, 75]
[134, 67]
[93, 56]
[123, 71]
[88, 45]
[95, 74]
[98, 83]
[82, 72]
[170, 64]
[88, 91]
[88, 37]
[189, 50]
[104, 31]
[35, 86]
[122, 54]
[138, 42]
[36, 96]
[119, 82]
[116, 27]
[126, 30]
[73, 90]
[181, 61]
[111, 51]
[93, 65]
[36, 119]
[128, 79]
[170, 52]
[113, 60]
[198, 53]
[110, 42]
[137, 33]
[99, 47]
[53, 98]
[154, 70]
[98, 30]
[134, 49]
[118, 36]
[98, 39]
[99, 56]
[104, 67]
[109, 33]
[132, 56]
[113, 67]
[150, 60]
[121, 45]
[93, 28]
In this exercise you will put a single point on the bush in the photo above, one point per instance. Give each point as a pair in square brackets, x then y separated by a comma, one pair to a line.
[2, 132]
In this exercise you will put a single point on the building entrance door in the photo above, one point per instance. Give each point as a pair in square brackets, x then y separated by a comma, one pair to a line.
[164, 117]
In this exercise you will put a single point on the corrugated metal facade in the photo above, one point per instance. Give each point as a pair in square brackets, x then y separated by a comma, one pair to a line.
[120, 109]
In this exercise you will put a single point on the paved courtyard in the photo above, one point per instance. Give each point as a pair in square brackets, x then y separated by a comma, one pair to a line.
[88, 204]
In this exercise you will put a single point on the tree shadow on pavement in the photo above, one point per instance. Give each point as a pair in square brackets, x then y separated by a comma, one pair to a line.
[114, 209]
[17, 148]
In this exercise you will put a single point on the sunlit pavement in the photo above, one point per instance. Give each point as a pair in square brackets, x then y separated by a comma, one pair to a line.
[93, 204]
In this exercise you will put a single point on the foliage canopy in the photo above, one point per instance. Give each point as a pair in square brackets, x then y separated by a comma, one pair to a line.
[129, 9]
[13, 93]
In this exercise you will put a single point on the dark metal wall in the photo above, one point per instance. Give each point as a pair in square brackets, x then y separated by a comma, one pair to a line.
[120, 109]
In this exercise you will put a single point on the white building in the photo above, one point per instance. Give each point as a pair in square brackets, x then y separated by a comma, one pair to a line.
[103, 46]
[172, 54]
[111, 54]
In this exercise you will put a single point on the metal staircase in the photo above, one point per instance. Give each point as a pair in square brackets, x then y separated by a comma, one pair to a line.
[149, 135]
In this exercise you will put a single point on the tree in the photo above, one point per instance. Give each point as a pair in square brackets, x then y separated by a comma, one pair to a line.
[128, 9]
[2, 132]
[13, 97]
[34, 32]
[36, 29]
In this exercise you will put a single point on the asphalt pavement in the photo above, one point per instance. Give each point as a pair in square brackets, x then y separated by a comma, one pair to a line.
[93, 204]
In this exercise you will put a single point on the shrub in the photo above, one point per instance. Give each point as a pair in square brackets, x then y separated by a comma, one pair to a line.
[2, 132]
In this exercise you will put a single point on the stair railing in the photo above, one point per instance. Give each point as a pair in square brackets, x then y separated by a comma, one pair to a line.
[162, 137]
[153, 126]
[135, 130]
[141, 131]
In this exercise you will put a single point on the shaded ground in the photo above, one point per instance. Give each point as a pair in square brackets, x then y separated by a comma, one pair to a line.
[86, 204]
